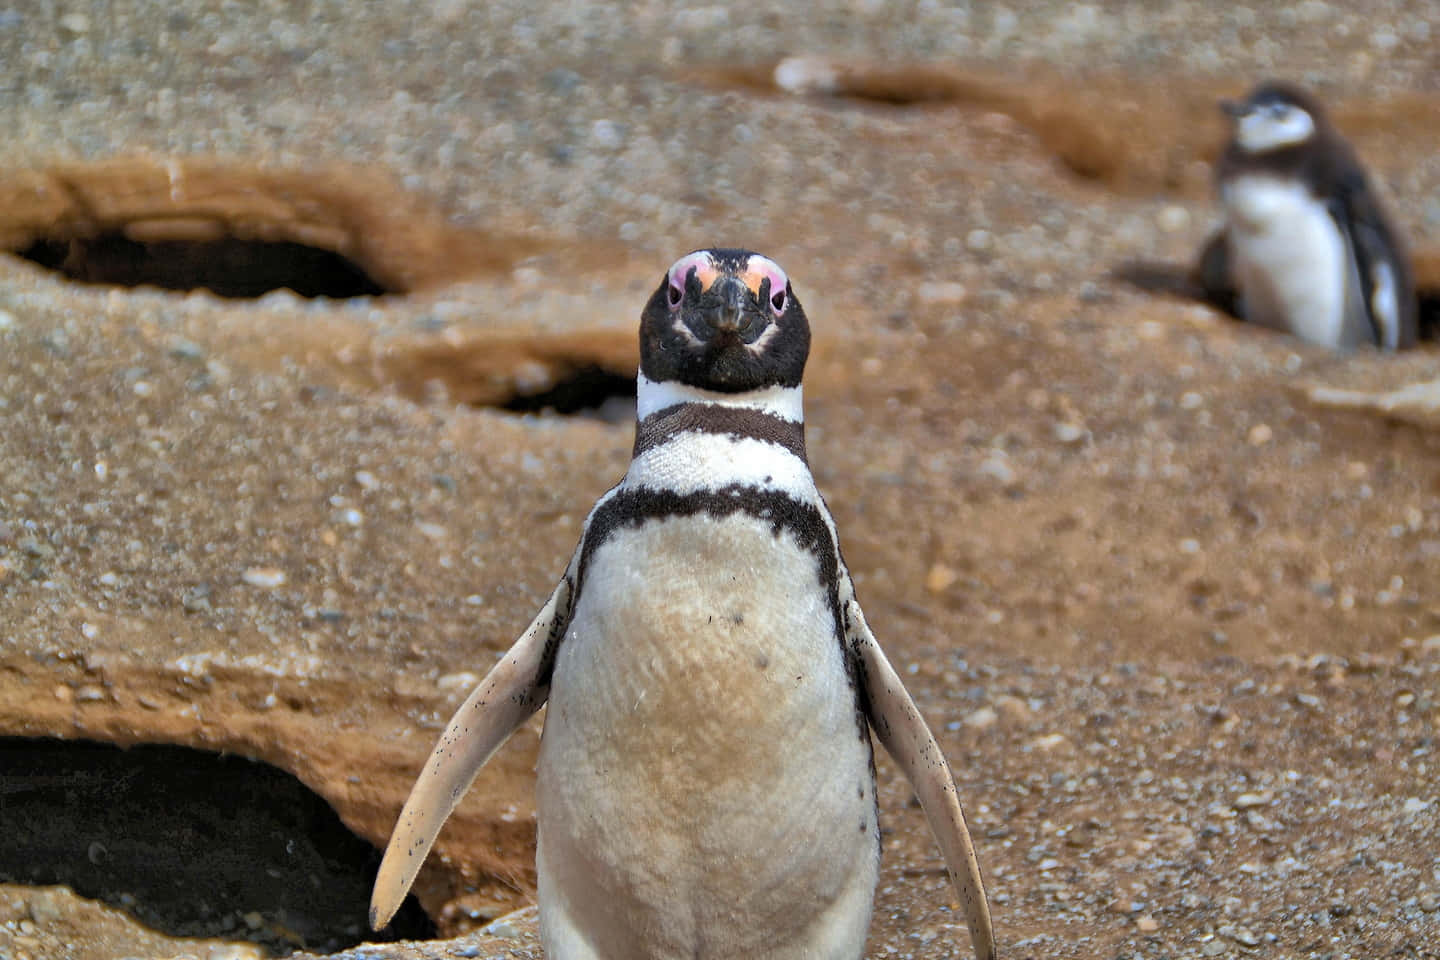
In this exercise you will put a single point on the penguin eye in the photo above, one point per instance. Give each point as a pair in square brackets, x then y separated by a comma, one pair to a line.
[676, 293]
[777, 302]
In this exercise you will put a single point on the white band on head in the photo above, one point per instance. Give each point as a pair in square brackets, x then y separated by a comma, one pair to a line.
[1260, 130]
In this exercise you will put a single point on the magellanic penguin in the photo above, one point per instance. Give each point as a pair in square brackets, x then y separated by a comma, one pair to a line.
[706, 780]
[1306, 247]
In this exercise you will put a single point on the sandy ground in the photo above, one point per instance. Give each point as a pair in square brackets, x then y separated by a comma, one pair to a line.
[1173, 618]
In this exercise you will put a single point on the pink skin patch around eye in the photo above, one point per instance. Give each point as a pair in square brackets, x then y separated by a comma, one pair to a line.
[761, 268]
[705, 272]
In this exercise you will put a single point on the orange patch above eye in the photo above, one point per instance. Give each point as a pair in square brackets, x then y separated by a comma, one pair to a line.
[705, 272]
[758, 270]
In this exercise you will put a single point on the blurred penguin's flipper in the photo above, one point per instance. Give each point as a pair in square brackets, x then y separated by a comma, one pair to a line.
[902, 730]
[511, 692]
[1208, 281]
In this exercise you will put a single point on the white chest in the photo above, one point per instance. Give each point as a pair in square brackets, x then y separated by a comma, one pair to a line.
[1291, 263]
[702, 772]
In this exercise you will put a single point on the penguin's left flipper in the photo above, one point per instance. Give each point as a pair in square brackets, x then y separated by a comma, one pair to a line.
[902, 730]
[511, 692]
[1381, 263]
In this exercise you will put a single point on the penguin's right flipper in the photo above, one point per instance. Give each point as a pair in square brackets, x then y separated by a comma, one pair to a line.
[905, 735]
[511, 692]
[1382, 265]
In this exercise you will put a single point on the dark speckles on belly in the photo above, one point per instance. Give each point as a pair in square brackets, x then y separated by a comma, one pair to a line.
[762, 661]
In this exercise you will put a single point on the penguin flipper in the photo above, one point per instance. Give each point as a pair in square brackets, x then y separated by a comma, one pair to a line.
[903, 732]
[1214, 275]
[1385, 284]
[511, 692]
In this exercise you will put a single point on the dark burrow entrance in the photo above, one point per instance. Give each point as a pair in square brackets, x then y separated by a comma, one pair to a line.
[227, 267]
[589, 391]
[190, 843]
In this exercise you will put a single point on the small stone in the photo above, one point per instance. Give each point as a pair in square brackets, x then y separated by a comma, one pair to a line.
[1048, 742]
[75, 23]
[90, 693]
[1146, 924]
[182, 349]
[7, 320]
[43, 909]
[432, 531]
[1430, 903]
[1214, 948]
[268, 577]
[1259, 435]
[941, 292]
[1190, 545]
[1069, 433]
[1414, 805]
[979, 241]
[806, 75]
[452, 682]
[1248, 800]
[982, 719]
[997, 468]
[940, 578]
[1241, 936]
[1173, 218]
[1190, 400]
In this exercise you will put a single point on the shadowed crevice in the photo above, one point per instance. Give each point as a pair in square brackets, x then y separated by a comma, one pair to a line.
[227, 267]
[190, 843]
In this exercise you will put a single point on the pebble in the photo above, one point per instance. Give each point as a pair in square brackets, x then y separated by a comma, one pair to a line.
[941, 292]
[1430, 903]
[1214, 948]
[940, 578]
[979, 241]
[1068, 433]
[1173, 218]
[75, 23]
[1259, 435]
[1414, 805]
[997, 468]
[464, 680]
[982, 719]
[269, 577]
[1146, 924]
[7, 320]
[802, 75]
[1241, 936]
[1048, 742]
[1248, 800]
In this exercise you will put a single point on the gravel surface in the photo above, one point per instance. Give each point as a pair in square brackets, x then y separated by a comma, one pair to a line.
[1174, 621]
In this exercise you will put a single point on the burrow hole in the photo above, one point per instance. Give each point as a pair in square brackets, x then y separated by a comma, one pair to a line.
[190, 843]
[227, 267]
[241, 230]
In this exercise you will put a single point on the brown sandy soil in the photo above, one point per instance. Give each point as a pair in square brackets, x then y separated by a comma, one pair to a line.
[1175, 621]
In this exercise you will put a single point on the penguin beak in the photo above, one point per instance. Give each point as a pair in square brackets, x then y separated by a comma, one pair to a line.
[1234, 108]
[726, 311]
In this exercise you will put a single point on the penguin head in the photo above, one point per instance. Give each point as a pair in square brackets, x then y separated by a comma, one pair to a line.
[727, 321]
[1273, 117]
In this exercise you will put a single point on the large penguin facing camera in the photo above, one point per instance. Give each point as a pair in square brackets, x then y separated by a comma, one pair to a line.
[706, 781]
